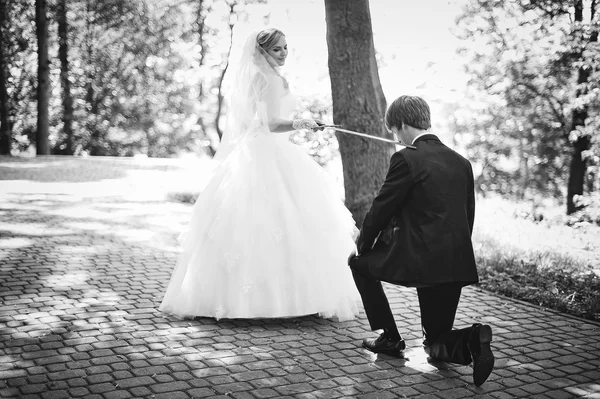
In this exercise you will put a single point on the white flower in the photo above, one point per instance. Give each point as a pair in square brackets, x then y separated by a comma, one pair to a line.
[231, 261]
[247, 285]
[278, 234]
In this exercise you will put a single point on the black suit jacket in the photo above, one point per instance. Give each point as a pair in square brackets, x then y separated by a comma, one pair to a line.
[428, 203]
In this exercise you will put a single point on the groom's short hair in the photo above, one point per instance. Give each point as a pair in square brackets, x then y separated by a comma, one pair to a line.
[408, 110]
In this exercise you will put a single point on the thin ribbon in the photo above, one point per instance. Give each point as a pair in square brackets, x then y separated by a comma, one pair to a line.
[339, 129]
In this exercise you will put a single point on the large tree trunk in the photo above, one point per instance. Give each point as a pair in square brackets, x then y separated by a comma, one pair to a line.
[358, 101]
[43, 89]
[578, 166]
[5, 130]
[63, 55]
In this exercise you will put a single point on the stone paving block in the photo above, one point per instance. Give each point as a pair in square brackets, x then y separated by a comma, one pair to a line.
[232, 387]
[559, 394]
[78, 392]
[60, 394]
[101, 387]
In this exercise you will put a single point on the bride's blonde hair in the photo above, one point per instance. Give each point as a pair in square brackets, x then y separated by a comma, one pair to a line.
[268, 38]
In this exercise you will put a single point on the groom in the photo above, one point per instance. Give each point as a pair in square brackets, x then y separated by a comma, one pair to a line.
[425, 211]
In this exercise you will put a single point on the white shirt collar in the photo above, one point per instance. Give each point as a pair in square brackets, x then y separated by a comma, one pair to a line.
[422, 134]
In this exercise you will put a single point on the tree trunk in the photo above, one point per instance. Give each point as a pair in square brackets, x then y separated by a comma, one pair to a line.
[5, 130]
[358, 101]
[63, 55]
[43, 89]
[202, 11]
[223, 72]
[201, 18]
[578, 166]
[524, 169]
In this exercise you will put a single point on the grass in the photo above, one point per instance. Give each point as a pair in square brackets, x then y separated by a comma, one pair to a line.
[546, 263]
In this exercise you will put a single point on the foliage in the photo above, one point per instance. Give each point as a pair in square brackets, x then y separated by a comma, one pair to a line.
[322, 145]
[589, 210]
[523, 58]
[21, 70]
[517, 134]
[143, 74]
[539, 259]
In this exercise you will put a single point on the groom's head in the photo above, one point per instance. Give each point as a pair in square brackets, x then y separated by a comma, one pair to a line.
[408, 116]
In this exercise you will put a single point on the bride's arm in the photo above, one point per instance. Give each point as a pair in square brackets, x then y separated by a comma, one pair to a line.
[277, 125]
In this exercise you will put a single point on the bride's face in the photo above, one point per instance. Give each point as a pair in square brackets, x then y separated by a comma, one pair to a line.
[279, 51]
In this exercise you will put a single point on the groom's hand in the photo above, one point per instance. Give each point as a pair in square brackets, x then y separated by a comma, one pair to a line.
[352, 256]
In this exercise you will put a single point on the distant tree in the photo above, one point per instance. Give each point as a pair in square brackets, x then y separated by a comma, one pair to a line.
[358, 101]
[216, 35]
[43, 78]
[20, 69]
[534, 64]
[231, 21]
[5, 130]
[203, 8]
[586, 40]
[516, 131]
[63, 55]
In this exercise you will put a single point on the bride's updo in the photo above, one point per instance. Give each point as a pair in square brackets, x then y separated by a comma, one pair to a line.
[268, 38]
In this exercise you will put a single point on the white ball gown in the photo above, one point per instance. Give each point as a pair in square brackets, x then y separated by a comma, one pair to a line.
[269, 236]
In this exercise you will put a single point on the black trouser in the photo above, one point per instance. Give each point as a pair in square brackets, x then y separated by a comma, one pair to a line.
[438, 306]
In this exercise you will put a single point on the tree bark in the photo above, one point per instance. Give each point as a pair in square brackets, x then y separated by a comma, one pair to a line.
[201, 18]
[63, 55]
[43, 89]
[578, 166]
[358, 101]
[5, 129]
[202, 12]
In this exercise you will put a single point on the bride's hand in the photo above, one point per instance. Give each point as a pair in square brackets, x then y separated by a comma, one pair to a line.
[320, 126]
[305, 123]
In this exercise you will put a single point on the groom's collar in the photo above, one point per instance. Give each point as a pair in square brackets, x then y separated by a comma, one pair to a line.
[424, 136]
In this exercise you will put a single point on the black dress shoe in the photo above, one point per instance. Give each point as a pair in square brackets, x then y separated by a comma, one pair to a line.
[481, 353]
[384, 345]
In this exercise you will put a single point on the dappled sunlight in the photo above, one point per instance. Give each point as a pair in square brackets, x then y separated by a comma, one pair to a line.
[102, 228]
[585, 390]
[135, 235]
[34, 230]
[417, 359]
[14, 243]
[498, 219]
[67, 280]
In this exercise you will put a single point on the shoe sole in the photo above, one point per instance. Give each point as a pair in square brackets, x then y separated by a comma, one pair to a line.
[394, 353]
[483, 366]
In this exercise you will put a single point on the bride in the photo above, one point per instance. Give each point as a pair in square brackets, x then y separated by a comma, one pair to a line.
[268, 236]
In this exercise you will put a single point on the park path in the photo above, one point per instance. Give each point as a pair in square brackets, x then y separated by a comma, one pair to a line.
[86, 250]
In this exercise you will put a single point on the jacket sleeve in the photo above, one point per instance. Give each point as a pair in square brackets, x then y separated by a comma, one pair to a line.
[398, 183]
[471, 199]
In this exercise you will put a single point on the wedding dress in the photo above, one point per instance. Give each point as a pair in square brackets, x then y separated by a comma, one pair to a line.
[269, 235]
